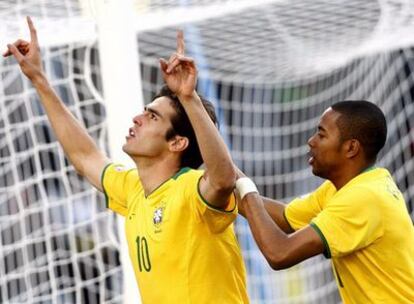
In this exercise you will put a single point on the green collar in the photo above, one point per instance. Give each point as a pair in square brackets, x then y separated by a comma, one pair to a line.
[175, 176]
[370, 168]
[182, 171]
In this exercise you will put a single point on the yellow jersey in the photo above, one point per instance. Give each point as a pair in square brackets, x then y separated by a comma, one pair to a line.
[367, 232]
[182, 249]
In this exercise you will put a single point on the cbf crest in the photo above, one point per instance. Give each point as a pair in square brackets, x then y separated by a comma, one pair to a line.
[158, 217]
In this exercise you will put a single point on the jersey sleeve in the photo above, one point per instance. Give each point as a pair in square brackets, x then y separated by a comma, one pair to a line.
[118, 182]
[299, 212]
[216, 219]
[349, 222]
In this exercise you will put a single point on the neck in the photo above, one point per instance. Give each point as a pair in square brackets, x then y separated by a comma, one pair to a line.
[153, 173]
[349, 174]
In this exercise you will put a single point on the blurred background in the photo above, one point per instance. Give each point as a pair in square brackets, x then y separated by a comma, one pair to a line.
[270, 67]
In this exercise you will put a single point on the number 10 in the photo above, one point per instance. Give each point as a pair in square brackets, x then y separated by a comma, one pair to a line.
[143, 254]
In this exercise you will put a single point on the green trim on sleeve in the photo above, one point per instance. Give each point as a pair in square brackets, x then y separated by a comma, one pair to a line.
[103, 187]
[327, 251]
[210, 205]
[286, 219]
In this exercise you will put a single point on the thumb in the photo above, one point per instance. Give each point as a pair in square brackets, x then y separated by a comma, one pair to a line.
[15, 52]
[6, 53]
[163, 65]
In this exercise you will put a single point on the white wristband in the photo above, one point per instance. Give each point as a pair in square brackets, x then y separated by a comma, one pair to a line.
[245, 185]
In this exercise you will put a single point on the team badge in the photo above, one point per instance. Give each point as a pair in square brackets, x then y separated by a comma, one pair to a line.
[157, 217]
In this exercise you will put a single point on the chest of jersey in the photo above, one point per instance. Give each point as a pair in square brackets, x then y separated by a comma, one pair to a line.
[157, 234]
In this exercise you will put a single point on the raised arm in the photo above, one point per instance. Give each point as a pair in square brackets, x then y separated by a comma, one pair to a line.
[79, 147]
[180, 74]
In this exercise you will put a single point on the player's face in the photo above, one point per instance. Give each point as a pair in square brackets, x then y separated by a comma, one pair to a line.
[326, 155]
[146, 138]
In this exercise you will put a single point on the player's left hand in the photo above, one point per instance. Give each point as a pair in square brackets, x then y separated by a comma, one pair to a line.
[180, 72]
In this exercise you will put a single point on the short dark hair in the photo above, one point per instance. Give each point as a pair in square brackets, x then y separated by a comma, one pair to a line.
[364, 121]
[181, 125]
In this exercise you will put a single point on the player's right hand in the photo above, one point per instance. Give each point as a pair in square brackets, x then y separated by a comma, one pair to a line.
[27, 54]
[180, 72]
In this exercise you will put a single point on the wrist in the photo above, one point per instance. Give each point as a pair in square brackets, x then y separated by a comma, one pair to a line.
[244, 186]
[188, 97]
[39, 80]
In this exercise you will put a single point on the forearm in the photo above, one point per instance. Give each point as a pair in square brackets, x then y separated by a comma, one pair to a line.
[216, 157]
[73, 137]
[271, 240]
[276, 211]
[280, 250]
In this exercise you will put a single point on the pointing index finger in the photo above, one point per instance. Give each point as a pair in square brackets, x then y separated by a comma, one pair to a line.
[180, 42]
[33, 34]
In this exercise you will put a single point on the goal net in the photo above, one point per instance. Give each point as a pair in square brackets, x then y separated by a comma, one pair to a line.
[58, 243]
[270, 67]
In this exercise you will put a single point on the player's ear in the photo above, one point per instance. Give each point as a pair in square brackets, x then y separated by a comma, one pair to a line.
[352, 148]
[178, 143]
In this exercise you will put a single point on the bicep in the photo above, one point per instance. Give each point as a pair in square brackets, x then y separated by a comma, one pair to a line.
[92, 168]
[218, 198]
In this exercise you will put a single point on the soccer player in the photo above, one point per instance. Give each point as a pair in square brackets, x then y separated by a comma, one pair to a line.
[357, 217]
[178, 219]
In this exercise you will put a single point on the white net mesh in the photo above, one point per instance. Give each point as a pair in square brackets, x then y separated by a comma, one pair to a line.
[58, 242]
[271, 67]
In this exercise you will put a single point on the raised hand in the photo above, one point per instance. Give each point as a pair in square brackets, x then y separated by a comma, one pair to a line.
[180, 72]
[27, 54]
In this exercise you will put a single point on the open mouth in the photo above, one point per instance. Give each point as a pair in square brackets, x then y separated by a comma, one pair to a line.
[131, 133]
[311, 158]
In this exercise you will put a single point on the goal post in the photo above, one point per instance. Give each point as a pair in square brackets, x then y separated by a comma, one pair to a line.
[118, 53]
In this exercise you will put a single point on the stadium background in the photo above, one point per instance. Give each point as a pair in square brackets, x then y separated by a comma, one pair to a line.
[270, 67]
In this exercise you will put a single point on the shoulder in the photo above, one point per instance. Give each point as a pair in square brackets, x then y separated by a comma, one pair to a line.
[368, 184]
[372, 176]
[119, 169]
[119, 174]
[325, 191]
[186, 182]
[326, 187]
[359, 200]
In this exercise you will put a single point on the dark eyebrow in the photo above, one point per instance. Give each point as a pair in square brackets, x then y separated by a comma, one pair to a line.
[151, 110]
